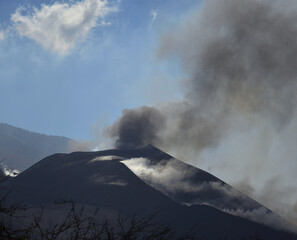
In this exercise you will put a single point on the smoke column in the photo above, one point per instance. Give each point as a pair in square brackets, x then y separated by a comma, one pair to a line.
[239, 106]
[137, 127]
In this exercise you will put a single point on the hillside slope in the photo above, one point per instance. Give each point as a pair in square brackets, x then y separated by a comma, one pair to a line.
[19, 148]
[100, 179]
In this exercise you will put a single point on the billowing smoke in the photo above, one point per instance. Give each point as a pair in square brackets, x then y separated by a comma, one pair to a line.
[137, 127]
[241, 61]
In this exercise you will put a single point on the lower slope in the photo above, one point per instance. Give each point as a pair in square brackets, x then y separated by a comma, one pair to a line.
[101, 180]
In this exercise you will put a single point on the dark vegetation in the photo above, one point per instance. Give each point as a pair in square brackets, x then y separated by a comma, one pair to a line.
[76, 225]
[17, 224]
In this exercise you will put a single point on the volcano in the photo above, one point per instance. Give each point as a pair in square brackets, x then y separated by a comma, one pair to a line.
[143, 182]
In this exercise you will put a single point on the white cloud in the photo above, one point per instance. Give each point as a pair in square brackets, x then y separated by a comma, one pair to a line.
[60, 26]
[154, 14]
[2, 36]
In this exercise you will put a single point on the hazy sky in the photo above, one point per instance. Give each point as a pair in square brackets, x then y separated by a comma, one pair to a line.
[67, 66]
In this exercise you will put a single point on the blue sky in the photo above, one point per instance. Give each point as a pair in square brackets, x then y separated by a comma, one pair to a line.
[67, 66]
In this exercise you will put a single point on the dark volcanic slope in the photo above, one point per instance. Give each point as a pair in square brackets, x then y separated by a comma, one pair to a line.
[100, 179]
[189, 185]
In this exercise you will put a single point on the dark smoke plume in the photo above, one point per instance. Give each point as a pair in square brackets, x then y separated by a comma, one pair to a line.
[137, 127]
[240, 57]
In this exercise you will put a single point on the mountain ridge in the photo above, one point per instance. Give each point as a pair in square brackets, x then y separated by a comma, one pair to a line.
[21, 148]
[101, 179]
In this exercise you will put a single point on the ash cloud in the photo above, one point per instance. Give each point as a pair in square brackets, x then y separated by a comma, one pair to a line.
[275, 195]
[241, 60]
[137, 127]
[261, 215]
[166, 176]
[172, 176]
[239, 105]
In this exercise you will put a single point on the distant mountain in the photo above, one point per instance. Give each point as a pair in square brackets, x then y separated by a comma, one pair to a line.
[144, 181]
[19, 148]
